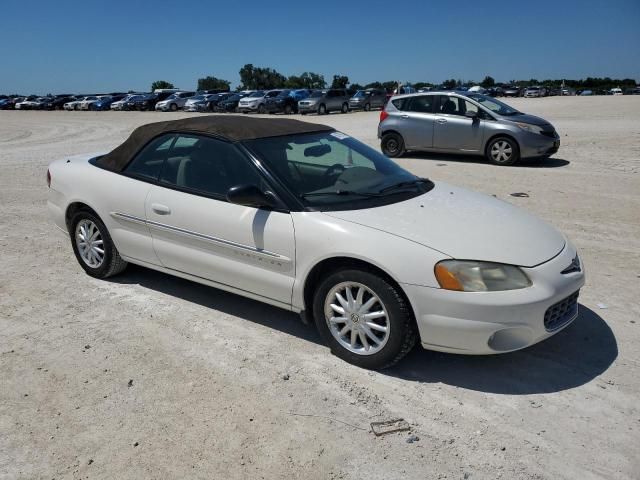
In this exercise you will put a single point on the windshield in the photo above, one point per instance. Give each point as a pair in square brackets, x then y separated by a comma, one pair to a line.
[259, 93]
[360, 94]
[284, 93]
[494, 105]
[317, 94]
[332, 171]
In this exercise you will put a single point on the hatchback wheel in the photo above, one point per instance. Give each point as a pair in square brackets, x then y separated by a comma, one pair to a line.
[322, 109]
[503, 151]
[364, 318]
[93, 247]
[392, 145]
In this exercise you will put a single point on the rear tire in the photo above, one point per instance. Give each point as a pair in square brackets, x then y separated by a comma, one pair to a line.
[392, 145]
[503, 151]
[262, 109]
[345, 108]
[367, 107]
[364, 318]
[94, 249]
[288, 109]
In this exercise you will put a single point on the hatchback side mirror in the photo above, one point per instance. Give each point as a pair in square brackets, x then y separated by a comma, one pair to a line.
[250, 196]
[471, 114]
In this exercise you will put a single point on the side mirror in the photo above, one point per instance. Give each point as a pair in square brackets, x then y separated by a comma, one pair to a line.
[471, 114]
[250, 196]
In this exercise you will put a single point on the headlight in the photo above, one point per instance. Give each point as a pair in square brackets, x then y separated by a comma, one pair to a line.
[530, 128]
[471, 276]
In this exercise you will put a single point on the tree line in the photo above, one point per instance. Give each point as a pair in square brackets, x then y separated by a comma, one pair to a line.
[265, 78]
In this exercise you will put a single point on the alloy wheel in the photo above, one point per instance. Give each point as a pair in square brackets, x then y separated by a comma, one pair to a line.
[357, 318]
[90, 243]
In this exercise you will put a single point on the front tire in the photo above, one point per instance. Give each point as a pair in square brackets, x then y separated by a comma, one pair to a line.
[94, 249]
[503, 151]
[173, 107]
[345, 108]
[392, 145]
[364, 318]
[367, 107]
[288, 109]
[262, 109]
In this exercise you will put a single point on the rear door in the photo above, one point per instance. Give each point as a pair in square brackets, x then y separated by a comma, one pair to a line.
[196, 231]
[417, 121]
[453, 130]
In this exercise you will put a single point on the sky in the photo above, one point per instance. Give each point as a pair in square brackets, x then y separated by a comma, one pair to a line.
[96, 46]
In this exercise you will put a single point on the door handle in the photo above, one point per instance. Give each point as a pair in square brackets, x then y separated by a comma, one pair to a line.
[404, 116]
[441, 120]
[160, 209]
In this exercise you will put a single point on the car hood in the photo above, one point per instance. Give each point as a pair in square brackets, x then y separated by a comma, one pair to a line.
[526, 118]
[465, 225]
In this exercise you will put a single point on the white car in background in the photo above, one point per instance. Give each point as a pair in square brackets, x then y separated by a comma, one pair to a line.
[28, 103]
[119, 105]
[616, 91]
[87, 103]
[74, 105]
[174, 102]
[308, 219]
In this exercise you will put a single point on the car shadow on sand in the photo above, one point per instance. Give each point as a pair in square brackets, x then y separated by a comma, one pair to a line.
[551, 162]
[573, 357]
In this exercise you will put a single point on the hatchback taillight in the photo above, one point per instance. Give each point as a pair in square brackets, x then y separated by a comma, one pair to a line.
[383, 115]
[48, 178]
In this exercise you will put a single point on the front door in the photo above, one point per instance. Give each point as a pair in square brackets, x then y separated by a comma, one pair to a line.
[453, 130]
[196, 231]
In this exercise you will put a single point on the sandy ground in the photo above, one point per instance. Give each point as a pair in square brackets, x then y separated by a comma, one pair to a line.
[148, 376]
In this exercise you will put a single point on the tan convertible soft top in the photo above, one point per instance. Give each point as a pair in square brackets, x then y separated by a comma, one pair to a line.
[229, 127]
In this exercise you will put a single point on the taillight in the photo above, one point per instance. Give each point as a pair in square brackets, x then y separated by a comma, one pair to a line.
[48, 178]
[383, 115]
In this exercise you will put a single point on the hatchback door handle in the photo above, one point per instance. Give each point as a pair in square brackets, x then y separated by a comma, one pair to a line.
[441, 120]
[404, 116]
[160, 209]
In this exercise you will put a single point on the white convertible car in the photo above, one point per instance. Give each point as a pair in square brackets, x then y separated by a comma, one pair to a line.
[306, 218]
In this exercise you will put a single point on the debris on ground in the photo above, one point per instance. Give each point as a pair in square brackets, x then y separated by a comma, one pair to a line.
[130, 384]
[413, 438]
[389, 426]
[601, 306]
[285, 376]
[519, 194]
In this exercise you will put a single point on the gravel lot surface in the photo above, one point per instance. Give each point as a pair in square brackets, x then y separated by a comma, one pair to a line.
[149, 376]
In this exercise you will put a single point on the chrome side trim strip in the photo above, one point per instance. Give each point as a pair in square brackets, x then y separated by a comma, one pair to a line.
[201, 236]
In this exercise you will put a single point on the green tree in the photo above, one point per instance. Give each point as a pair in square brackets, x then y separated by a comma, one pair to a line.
[161, 84]
[354, 87]
[340, 81]
[450, 84]
[308, 80]
[488, 82]
[213, 83]
[259, 78]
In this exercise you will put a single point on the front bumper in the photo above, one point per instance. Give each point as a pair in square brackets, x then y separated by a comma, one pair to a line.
[248, 107]
[306, 108]
[481, 323]
[535, 145]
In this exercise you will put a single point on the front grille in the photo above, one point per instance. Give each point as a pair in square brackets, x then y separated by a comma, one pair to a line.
[561, 313]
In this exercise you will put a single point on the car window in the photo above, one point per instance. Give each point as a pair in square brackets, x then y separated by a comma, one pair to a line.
[148, 163]
[401, 103]
[208, 166]
[337, 154]
[421, 104]
[450, 105]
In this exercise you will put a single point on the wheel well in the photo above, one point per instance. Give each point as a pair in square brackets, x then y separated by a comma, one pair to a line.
[391, 131]
[74, 208]
[329, 265]
[492, 138]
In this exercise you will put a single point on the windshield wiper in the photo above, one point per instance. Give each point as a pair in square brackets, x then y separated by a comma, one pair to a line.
[406, 183]
[339, 192]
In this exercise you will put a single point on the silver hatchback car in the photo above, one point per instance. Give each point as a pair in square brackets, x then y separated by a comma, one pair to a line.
[472, 123]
